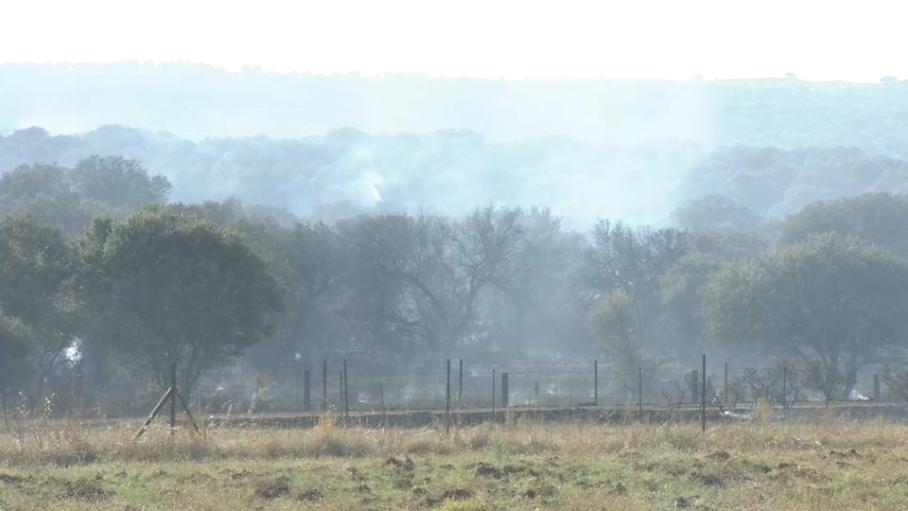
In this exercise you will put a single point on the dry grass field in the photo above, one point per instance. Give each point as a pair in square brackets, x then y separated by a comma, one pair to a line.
[63, 465]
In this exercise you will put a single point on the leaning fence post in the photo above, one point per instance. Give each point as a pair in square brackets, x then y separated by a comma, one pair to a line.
[640, 391]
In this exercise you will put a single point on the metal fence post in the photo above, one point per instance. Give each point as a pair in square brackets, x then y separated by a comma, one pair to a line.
[173, 397]
[448, 396]
[307, 390]
[784, 387]
[324, 385]
[381, 397]
[460, 383]
[596, 382]
[493, 395]
[703, 397]
[695, 386]
[504, 389]
[346, 394]
[725, 388]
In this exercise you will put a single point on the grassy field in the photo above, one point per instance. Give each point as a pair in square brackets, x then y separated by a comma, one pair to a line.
[822, 466]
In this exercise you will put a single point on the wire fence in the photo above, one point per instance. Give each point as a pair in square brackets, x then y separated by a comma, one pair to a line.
[369, 386]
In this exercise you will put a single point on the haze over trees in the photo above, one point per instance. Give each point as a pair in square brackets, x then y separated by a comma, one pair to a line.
[123, 249]
[217, 284]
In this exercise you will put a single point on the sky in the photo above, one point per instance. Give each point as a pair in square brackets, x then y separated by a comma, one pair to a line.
[674, 39]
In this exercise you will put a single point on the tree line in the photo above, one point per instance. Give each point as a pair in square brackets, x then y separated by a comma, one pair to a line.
[104, 282]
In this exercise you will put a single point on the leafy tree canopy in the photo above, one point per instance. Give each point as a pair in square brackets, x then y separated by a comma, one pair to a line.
[877, 218]
[175, 288]
[831, 301]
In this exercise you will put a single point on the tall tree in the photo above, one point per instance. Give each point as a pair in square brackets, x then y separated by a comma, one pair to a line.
[614, 319]
[832, 302]
[16, 345]
[167, 287]
[878, 218]
[420, 278]
[121, 183]
[717, 213]
[632, 261]
[35, 267]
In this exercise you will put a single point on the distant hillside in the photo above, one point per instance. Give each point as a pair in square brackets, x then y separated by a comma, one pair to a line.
[451, 172]
[196, 101]
[344, 171]
[776, 182]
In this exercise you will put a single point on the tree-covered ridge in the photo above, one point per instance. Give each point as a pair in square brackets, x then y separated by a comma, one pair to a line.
[453, 172]
[777, 182]
[199, 101]
[343, 171]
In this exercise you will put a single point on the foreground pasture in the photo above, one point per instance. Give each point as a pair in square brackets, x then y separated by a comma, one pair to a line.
[820, 466]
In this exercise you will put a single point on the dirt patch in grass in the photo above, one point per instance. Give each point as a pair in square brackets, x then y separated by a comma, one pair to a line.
[89, 490]
[10, 479]
[312, 495]
[272, 488]
[448, 495]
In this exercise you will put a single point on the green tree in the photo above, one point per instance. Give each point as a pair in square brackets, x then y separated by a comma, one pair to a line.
[717, 213]
[420, 279]
[121, 183]
[35, 268]
[682, 291]
[614, 319]
[69, 199]
[42, 193]
[166, 287]
[832, 302]
[16, 343]
[878, 218]
[632, 261]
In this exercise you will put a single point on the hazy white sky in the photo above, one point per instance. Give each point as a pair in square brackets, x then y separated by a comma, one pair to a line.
[821, 40]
